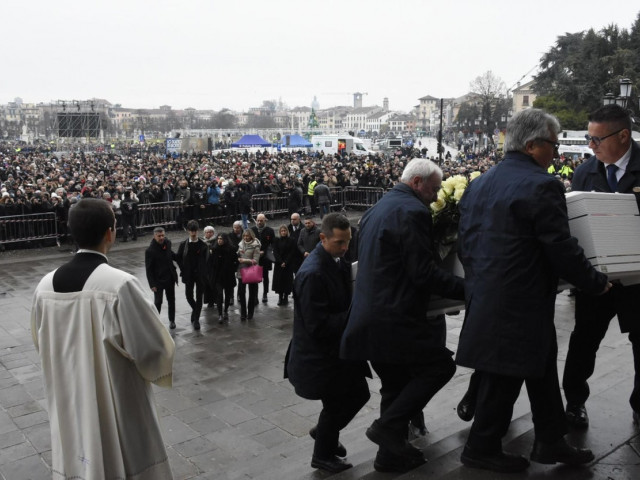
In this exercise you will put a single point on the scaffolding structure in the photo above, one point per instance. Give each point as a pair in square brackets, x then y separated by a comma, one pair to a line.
[77, 119]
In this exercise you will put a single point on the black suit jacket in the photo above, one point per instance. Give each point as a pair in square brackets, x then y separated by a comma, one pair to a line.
[322, 296]
[592, 176]
[296, 235]
[158, 261]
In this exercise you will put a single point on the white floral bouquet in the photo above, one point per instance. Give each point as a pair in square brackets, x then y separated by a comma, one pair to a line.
[445, 214]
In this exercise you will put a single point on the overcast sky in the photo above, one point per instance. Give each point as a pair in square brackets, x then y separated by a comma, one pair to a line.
[210, 54]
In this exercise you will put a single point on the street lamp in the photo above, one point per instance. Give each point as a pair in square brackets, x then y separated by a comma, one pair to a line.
[609, 99]
[625, 90]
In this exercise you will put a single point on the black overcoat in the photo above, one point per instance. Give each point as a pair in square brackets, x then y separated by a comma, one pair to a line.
[514, 243]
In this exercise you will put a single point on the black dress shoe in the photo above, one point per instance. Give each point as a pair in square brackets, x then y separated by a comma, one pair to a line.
[340, 451]
[396, 444]
[560, 452]
[467, 407]
[196, 325]
[264, 299]
[172, 325]
[386, 463]
[497, 462]
[333, 464]
[577, 415]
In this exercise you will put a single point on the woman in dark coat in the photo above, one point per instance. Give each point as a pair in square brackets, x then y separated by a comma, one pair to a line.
[284, 251]
[224, 262]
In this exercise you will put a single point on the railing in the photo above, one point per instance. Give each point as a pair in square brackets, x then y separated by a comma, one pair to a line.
[361, 197]
[27, 228]
[41, 226]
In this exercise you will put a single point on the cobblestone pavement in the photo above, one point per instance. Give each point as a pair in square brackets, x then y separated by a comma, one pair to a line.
[231, 415]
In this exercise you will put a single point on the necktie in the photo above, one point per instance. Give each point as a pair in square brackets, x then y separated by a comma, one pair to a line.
[612, 179]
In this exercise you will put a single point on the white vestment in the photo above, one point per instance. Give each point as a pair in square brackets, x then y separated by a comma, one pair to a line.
[100, 348]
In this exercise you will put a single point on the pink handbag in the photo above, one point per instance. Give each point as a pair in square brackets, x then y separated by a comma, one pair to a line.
[252, 274]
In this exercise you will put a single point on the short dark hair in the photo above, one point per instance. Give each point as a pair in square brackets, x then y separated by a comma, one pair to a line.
[89, 219]
[193, 225]
[334, 220]
[613, 114]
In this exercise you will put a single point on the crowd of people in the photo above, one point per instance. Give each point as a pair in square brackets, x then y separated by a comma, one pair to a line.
[208, 187]
[514, 244]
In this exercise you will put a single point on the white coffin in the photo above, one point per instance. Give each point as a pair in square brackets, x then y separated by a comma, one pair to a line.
[607, 226]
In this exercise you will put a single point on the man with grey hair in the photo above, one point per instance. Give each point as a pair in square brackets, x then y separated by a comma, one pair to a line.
[397, 272]
[514, 244]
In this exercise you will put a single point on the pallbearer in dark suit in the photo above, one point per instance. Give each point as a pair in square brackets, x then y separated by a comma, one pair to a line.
[514, 244]
[322, 297]
[388, 324]
[615, 168]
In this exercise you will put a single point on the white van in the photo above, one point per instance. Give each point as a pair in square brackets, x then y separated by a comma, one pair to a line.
[332, 144]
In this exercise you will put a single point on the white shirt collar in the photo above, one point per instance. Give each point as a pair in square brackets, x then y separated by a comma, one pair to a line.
[86, 250]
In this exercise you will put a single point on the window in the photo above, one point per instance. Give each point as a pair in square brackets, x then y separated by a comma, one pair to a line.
[525, 100]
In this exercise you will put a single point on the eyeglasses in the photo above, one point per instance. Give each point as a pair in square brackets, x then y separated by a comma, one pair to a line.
[598, 140]
[556, 145]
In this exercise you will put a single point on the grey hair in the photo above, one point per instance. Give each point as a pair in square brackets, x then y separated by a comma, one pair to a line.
[420, 167]
[237, 223]
[209, 228]
[529, 125]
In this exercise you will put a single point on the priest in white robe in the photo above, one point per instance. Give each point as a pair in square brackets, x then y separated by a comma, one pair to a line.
[101, 344]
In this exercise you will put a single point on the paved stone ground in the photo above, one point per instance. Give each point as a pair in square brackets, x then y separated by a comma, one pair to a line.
[230, 414]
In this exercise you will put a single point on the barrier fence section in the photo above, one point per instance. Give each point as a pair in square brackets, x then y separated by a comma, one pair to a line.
[159, 214]
[24, 228]
[361, 197]
[337, 199]
[270, 204]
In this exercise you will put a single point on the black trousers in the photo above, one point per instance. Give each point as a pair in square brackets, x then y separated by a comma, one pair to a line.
[128, 222]
[170, 291]
[348, 393]
[497, 395]
[253, 298]
[227, 293]
[407, 388]
[593, 315]
[194, 302]
[265, 282]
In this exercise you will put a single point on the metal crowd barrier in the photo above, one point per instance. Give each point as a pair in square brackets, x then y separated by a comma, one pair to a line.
[41, 226]
[159, 214]
[269, 204]
[24, 228]
[337, 199]
[361, 197]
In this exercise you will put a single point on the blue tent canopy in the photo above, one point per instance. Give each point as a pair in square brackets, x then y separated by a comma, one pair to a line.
[295, 141]
[251, 141]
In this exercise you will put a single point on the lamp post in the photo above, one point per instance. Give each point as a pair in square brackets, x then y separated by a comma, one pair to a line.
[625, 92]
[624, 97]
[440, 149]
